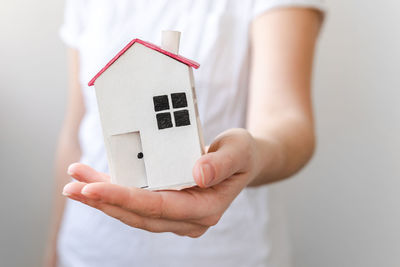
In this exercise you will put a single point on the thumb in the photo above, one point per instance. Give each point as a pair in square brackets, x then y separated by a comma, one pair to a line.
[214, 167]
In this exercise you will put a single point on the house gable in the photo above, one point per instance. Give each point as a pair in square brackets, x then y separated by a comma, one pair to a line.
[179, 58]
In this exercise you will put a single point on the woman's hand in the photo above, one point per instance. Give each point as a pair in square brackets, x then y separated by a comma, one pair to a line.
[228, 167]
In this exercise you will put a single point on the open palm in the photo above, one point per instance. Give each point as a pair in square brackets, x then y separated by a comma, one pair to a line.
[220, 175]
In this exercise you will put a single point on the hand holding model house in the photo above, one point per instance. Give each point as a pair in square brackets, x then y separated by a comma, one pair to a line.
[221, 174]
[153, 140]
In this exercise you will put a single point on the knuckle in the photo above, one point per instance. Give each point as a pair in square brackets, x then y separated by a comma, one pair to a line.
[156, 211]
[228, 161]
[223, 164]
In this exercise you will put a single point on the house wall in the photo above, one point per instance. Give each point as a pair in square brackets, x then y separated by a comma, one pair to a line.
[125, 96]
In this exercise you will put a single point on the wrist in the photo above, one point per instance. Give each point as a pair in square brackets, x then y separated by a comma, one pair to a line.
[268, 160]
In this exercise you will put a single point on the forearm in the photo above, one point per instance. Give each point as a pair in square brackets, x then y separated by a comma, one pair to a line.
[280, 116]
[282, 148]
[68, 151]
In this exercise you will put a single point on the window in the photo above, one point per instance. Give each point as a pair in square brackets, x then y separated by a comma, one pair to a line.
[161, 103]
[179, 100]
[164, 119]
[181, 118]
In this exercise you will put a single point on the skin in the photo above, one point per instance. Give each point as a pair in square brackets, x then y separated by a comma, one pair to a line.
[277, 142]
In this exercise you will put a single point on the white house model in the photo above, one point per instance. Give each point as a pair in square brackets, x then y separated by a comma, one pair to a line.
[148, 111]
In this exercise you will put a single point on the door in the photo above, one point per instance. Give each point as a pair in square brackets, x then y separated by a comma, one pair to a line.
[128, 159]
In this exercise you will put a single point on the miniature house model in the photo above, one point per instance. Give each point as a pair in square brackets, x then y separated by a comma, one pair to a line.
[149, 116]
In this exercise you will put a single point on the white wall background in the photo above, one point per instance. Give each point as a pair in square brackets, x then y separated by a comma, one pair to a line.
[32, 93]
[344, 208]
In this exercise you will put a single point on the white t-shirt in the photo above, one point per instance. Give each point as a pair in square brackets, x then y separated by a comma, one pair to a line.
[215, 33]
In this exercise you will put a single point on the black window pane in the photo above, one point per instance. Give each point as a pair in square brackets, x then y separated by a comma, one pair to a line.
[181, 118]
[161, 102]
[164, 120]
[179, 100]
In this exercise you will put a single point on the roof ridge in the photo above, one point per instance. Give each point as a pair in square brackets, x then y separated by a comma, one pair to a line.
[182, 59]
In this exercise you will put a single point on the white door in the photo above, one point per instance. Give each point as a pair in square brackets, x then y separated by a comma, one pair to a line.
[128, 159]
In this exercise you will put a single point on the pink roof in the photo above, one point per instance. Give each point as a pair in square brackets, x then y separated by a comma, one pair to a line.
[149, 45]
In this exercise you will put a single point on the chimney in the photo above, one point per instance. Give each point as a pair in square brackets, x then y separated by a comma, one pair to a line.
[170, 41]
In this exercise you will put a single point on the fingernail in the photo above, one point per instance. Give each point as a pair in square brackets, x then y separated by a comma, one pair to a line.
[69, 171]
[207, 174]
[86, 192]
[66, 190]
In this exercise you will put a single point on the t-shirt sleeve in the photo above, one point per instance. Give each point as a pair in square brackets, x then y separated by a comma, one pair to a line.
[74, 23]
[260, 6]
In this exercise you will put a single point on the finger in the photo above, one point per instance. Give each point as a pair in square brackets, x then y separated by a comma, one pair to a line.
[87, 174]
[73, 189]
[173, 205]
[149, 224]
[228, 155]
[133, 219]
